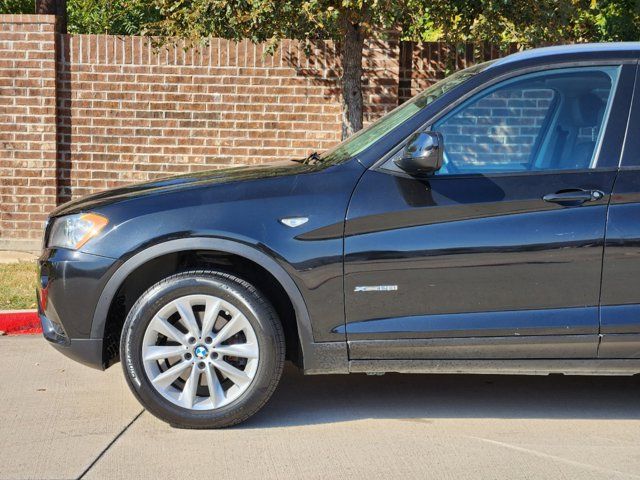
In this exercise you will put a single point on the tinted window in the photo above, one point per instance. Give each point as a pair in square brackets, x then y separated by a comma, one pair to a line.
[544, 121]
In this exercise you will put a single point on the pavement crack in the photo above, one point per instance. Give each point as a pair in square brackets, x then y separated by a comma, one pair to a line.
[554, 457]
[109, 445]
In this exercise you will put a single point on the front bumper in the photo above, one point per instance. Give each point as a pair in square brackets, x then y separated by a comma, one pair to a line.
[87, 351]
[69, 286]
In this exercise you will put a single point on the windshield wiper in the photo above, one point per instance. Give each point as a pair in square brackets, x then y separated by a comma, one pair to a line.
[312, 158]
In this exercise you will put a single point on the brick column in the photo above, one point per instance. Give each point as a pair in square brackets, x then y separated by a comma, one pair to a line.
[27, 127]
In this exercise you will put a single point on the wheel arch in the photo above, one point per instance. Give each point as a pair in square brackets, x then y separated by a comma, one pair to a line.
[232, 247]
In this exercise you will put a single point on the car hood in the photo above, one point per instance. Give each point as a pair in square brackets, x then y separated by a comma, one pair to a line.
[181, 182]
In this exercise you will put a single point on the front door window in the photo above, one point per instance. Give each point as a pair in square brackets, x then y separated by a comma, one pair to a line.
[550, 120]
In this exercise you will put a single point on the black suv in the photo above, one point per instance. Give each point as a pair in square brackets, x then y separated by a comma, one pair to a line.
[490, 224]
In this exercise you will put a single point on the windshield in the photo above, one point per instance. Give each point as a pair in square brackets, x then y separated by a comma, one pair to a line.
[368, 136]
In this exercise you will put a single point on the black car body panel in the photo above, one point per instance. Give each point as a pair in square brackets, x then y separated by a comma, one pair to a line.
[213, 208]
[236, 211]
[620, 297]
[63, 272]
[393, 268]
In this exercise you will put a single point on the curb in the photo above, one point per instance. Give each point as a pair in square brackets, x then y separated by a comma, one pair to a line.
[19, 322]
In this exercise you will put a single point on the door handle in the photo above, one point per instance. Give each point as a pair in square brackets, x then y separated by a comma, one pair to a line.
[574, 197]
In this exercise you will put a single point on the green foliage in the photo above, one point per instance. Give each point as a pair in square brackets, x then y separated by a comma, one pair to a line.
[272, 20]
[116, 17]
[612, 21]
[528, 22]
[17, 6]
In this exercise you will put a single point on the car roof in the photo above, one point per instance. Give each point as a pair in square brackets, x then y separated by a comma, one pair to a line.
[573, 49]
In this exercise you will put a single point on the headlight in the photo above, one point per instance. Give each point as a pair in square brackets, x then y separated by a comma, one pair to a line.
[73, 231]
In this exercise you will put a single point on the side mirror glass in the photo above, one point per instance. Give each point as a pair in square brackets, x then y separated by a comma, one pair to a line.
[423, 154]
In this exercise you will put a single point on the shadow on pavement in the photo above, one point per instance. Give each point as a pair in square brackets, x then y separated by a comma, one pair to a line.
[310, 400]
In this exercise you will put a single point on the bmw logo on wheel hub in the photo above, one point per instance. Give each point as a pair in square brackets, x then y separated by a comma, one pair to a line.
[201, 352]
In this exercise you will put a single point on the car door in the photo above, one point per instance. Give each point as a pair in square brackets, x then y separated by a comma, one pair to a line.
[497, 255]
[620, 298]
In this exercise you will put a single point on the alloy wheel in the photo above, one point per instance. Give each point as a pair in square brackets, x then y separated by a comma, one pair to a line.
[200, 352]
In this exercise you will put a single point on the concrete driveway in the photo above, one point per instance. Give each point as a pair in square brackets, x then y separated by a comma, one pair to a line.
[61, 420]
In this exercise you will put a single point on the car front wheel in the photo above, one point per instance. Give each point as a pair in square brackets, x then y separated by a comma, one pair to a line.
[202, 349]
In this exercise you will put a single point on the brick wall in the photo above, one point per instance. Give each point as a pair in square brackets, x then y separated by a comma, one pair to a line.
[423, 64]
[82, 113]
[27, 126]
[131, 113]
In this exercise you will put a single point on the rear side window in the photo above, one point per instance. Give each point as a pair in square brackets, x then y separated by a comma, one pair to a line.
[551, 120]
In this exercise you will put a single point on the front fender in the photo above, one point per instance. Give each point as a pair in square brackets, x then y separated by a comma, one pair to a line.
[321, 357]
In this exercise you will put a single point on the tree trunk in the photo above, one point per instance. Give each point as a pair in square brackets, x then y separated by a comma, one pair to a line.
[352, 46]
[54, 7]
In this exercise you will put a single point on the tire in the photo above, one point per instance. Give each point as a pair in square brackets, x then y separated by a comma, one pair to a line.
[222, 378]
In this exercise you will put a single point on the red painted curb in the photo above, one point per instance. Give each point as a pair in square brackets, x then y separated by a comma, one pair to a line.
[20, 322]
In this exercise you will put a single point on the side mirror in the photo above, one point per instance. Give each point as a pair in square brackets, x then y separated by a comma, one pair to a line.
[423, 154]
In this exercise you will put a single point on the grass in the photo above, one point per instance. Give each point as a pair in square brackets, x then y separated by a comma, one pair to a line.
[17, 286]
